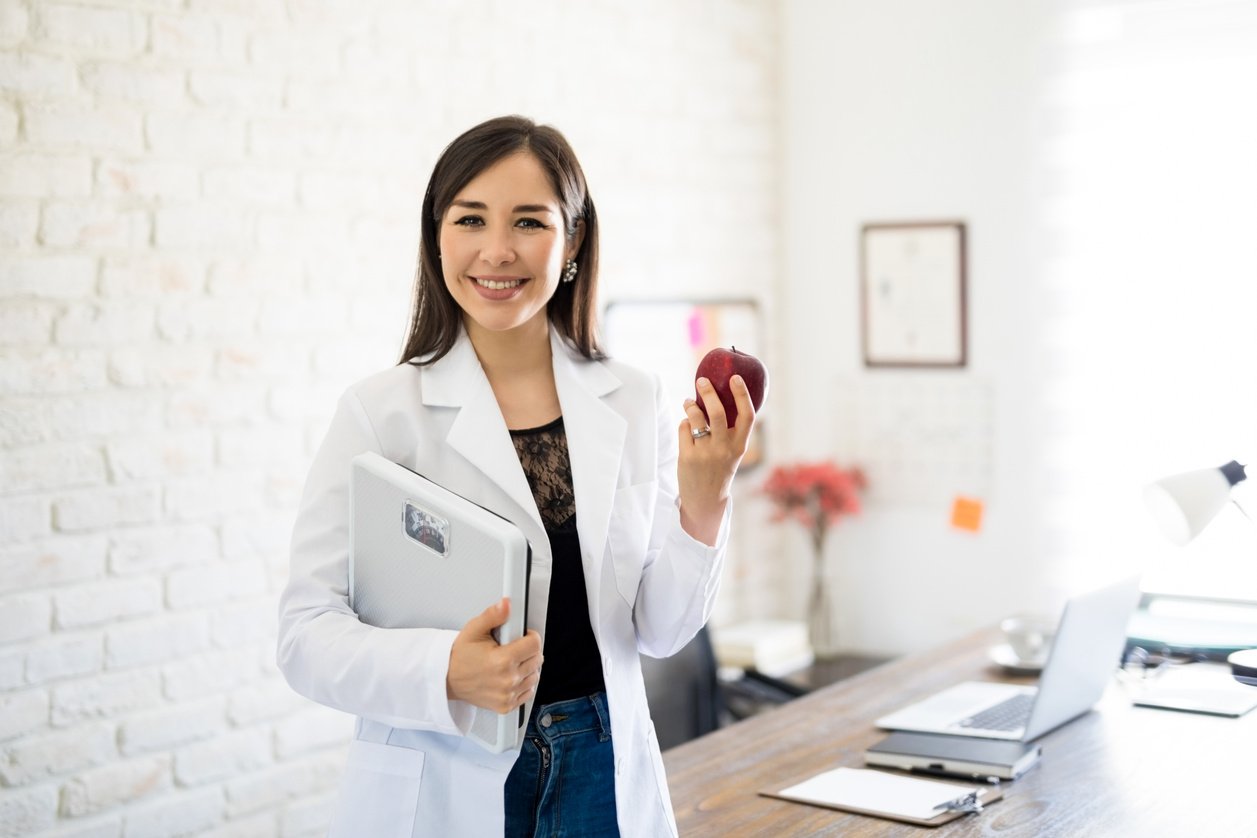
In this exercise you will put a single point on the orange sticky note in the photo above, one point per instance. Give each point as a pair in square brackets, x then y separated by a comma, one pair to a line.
[966, 513]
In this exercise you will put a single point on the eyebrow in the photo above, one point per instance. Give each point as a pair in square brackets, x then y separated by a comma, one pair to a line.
[481, 205]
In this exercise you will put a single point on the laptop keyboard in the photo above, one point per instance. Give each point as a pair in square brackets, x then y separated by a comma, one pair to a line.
[1009, 714]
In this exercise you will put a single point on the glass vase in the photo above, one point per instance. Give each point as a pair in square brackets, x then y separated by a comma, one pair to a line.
[820, 614]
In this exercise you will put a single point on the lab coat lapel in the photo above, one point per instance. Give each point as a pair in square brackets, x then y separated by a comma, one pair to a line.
[595, 442]
[479, 434]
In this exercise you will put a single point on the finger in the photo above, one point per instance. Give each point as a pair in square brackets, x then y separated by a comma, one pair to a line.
[742, 398]
[519, 651]
[523, 667]
[532, 662]
[683, 434]
[487, 620]
[528, 681]
[528, 685]
[694, 415]
[510, 702]
[521, 697]
[518, 693]
[527, 646]
[712, 404]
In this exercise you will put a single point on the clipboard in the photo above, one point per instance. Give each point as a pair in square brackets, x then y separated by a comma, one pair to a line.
[895, 797]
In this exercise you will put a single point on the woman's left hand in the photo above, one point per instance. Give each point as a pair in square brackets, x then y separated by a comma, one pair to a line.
[707, 463]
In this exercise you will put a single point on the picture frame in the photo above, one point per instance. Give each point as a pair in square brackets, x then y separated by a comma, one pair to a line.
[670, 337]
[913, 296]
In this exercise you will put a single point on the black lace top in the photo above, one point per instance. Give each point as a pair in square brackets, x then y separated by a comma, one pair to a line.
[573, 665]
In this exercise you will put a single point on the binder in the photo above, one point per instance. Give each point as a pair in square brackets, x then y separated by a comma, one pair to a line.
[894, 797]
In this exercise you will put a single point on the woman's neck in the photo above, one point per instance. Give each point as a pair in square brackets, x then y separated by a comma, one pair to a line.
[519, 367]
[516, 352]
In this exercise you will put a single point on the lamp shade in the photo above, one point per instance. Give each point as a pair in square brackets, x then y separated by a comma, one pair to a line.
[1184, 504]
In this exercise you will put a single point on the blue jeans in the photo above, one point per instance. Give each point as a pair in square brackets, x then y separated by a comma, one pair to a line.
[563, 783]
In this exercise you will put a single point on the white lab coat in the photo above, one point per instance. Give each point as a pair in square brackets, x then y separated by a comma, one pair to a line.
[650, 586]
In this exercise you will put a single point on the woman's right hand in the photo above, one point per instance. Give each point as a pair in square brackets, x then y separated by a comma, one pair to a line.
[497, 678]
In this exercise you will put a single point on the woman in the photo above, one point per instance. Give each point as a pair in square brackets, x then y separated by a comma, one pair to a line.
[504, 396]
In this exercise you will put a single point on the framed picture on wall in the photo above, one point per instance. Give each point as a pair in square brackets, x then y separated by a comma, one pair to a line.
[912, 294]
[670, 337]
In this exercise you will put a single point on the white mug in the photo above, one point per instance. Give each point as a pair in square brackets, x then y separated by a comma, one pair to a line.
[1029, 635]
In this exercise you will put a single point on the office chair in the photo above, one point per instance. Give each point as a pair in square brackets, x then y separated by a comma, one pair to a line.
[687, 699]
[683, 692]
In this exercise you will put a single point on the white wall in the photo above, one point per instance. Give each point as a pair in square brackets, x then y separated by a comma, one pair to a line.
[1100, 152]
[1148, 284]
[208, 215]
[909, 111]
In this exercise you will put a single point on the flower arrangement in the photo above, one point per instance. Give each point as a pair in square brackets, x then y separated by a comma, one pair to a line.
[816, 495]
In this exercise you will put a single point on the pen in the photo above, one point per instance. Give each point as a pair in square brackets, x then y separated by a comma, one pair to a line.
[982, 778]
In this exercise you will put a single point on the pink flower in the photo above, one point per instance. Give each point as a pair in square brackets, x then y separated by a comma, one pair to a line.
[815, 495]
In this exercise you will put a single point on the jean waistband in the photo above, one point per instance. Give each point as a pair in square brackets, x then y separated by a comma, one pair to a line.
[574, 715]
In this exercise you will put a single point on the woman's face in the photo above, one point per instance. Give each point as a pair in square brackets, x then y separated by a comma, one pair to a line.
[503, 246]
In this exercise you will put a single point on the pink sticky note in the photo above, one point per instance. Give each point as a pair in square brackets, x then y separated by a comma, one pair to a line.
[697, 332]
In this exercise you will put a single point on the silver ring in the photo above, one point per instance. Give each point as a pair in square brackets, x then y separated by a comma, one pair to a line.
[700, 433]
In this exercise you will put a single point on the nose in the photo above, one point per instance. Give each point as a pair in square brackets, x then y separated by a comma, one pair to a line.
[497, 248]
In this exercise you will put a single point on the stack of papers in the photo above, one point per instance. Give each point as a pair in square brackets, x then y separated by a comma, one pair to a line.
[773, 647]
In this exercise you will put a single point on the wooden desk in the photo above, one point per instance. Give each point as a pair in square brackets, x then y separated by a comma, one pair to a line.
[1116, 771]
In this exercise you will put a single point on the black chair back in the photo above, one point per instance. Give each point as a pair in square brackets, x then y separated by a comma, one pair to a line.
[683, 692]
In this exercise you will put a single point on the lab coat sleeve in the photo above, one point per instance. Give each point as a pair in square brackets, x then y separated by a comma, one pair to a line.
[394, 676]
[680, 575]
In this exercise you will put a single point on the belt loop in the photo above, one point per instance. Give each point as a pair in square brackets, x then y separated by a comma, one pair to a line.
[599, 701]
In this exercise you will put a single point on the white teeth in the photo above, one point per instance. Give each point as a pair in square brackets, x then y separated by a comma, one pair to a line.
[498, 286]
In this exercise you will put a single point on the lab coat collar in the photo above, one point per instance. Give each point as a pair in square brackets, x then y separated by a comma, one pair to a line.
[448, 382]
[595, 436]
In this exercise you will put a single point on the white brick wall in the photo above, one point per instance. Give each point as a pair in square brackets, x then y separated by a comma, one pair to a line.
[208, 221]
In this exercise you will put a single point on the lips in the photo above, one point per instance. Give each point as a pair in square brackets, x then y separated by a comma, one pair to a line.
[497, 287]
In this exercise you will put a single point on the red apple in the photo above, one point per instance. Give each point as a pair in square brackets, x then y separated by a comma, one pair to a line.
[719, 365]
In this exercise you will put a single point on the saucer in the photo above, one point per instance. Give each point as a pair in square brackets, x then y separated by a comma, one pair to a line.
[1004, 655]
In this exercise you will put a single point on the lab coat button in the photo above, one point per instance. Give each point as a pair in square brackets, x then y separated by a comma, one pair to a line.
[619, 766]
[547, 720]
[606, 666]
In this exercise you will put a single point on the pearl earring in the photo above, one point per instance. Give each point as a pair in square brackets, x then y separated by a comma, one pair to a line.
[569, 270]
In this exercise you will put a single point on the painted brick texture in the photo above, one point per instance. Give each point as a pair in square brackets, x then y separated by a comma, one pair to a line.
[208, 225]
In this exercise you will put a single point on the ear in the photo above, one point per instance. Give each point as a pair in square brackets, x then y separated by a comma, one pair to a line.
[574, 243]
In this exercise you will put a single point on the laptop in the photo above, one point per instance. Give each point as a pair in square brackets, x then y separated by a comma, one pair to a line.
[422, 556]
[1087, 649]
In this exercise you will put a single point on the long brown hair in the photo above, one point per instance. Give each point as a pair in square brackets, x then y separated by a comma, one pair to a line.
[435, 318]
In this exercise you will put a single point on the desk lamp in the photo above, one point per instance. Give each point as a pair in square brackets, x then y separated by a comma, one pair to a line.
[1183, 505]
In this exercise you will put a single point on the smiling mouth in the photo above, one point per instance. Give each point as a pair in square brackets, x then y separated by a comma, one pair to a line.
[497, 284]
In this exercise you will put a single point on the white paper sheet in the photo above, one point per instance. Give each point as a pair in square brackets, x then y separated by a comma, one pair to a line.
[1198, 688]
[877, 791]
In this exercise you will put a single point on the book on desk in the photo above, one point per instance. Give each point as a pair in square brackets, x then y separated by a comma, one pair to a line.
[771, 647]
